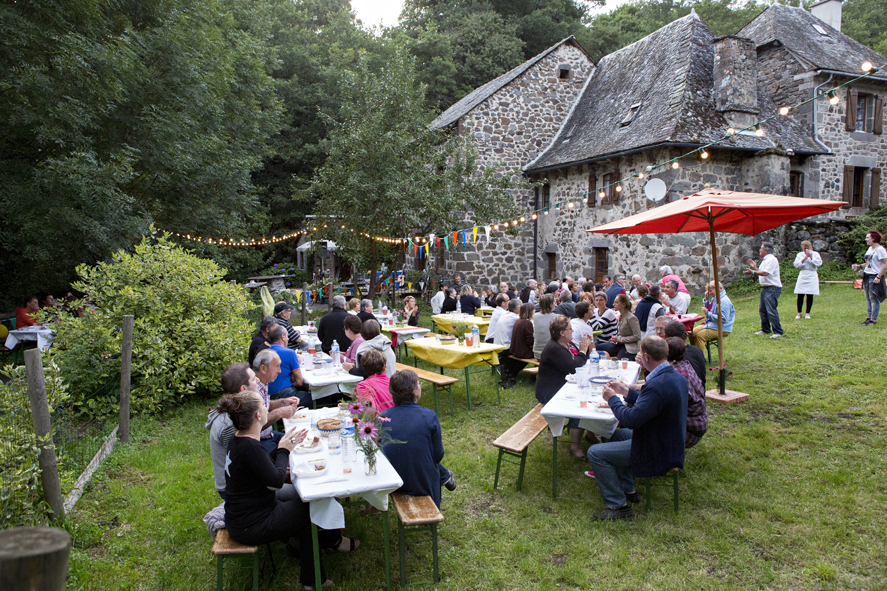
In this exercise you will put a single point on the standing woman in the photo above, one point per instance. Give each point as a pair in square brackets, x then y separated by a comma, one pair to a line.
[873, 275]
[253, 513]
[626, 343]
[808, 260]
[541, 321]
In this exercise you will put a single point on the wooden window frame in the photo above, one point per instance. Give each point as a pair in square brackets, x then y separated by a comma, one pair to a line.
[857, 193]
[598, 271]
[552, 265]
[875, 189]
[592, 190]
[610, 194]
[796, 183]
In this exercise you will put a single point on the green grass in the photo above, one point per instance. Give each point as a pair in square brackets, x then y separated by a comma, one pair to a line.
[786, 491]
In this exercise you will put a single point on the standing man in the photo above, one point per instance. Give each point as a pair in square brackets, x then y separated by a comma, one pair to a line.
[652, 442]
[332, 326]
[771, 288]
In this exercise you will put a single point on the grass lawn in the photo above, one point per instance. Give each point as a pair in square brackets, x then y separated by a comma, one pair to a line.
[786, 491]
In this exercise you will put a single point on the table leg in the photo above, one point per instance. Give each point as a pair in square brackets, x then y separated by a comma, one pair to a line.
[554, 468]
[468, 387]
[385, 536]
[316, 544]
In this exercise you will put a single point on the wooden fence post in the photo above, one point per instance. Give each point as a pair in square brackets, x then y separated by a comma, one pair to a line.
[49, 472]
[125, 373]
[304, 301]
[34, 558]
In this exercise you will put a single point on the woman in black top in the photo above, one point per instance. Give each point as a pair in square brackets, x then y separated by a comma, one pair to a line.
[449, 303]
[556, 362]
[253, 513]
[468, 301]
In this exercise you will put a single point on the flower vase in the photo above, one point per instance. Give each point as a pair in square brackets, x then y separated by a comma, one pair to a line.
[369, 465]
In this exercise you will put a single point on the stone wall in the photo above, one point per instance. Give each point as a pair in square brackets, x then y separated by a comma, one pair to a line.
[823, 235]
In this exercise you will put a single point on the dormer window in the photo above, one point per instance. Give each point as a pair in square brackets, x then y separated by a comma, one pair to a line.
[820, 30]
[564, 72]
[629, 117]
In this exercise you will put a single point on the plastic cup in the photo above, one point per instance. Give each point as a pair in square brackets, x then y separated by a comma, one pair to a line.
[583, 403]
[625, 365]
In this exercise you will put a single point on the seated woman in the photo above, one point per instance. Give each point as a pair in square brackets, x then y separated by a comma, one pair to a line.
[521, 346]
[419, 449]
[541, 324]
[25, 316]
[374, 389]
[709, 330]
[410, 311]
[603, 319]
[558, 361]
[353, 306]
[468, 300]
[253, 513]
[353, 325]
[371, 331]
[626, 343]
[697, 411]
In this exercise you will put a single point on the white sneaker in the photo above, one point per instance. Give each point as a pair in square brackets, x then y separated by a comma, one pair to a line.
[775, 336]
[762, 332]
[807, 316]
[798, 317]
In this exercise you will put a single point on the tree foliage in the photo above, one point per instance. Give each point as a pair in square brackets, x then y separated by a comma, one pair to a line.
[188, 326]
[389, 174]
[117, 114]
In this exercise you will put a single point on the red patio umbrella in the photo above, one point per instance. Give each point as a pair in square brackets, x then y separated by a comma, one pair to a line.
[713, 210]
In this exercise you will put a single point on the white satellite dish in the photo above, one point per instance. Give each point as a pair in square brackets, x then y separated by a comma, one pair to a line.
[655, 190]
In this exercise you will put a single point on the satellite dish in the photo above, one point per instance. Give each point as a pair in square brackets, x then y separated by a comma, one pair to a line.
[655, 190]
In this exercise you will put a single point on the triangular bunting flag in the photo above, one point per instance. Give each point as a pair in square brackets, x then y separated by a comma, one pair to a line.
[487, 231]
[475, 234]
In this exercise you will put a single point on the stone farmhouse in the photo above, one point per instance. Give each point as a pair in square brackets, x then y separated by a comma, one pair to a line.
[579, 127]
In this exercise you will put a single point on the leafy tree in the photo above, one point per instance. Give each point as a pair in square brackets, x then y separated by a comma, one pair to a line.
[189, 326]
[866, 21]
[120, 113]
[389, 174]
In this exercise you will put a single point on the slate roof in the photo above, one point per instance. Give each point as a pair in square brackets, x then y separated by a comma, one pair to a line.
[670, 73]
[479, 95]
[793, 27]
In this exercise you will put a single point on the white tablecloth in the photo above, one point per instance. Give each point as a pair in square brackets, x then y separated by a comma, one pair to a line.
[42, 335]
[327, 384]
[326, 512]
[597, 420]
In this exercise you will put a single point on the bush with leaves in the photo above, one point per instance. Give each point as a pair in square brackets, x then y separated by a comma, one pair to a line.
[21, 493]
[189, 325]
[853, 242]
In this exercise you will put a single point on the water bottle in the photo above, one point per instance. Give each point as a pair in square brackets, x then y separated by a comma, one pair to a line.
[475, 336]
[458, 307]
[594, 361]
[334, 353]
[349, 446]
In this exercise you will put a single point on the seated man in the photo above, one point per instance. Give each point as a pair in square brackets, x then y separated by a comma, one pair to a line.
[237, 378]
[282, 313]
[449, 303]
[25, 316]
[286, 384]
[667, 274]
[652, 442]
[501, 306]
[615, 289]
[505, 324]
[675, 301]
[648, 310]
[566, 306]
[260, 339]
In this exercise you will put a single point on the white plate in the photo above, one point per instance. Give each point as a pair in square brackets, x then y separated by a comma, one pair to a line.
[571, 378]
[301, 449]
[307, 470]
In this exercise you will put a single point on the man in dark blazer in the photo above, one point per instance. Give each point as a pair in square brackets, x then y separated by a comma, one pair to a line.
[652, 442]
[615, 289]
[332, 327]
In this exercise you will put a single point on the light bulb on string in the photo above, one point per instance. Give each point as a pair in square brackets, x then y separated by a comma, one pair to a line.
[570, 205]
[505, 224]
[641, 175]
[649, 168]
[545, 212]
[602, 194]
[784, 111]
[495, 226]
[534, 216]
[759, 131]
[675, 165]
[703, 155]
[523, 219]
[867, 66]
[618, 188]
[731, 131]
[833, 99]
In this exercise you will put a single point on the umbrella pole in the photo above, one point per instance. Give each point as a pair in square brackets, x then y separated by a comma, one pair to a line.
[722, 371]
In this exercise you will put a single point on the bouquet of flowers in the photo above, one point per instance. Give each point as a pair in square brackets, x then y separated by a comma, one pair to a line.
[370, 433]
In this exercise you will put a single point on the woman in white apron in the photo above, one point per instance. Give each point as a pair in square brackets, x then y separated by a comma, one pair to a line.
[807, 285]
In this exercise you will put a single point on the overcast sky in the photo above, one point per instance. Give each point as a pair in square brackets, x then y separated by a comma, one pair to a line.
[385, 12]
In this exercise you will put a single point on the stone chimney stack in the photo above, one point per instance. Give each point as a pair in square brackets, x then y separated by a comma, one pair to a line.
[829, 12]
[736, 80]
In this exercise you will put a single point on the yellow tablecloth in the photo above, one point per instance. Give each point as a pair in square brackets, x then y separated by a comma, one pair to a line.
[454, 356]
[446, 321]
[484, 311]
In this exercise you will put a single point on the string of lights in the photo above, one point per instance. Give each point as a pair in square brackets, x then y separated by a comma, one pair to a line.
[420, 243]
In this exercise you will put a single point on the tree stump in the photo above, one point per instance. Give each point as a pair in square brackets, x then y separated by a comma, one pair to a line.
[34, 558]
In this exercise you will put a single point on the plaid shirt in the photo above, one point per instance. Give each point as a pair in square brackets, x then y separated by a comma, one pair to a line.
[697, 413]
[263, 392]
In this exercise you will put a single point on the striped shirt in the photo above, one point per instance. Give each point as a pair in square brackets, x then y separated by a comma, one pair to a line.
[606, 322]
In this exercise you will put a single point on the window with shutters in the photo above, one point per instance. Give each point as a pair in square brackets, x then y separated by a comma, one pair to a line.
[592, 190]
[609, 188]
[546, 196]
[865, 112]
[856, 195]
[601, 264]
[865, 107]
[796, 183]
[552, 266]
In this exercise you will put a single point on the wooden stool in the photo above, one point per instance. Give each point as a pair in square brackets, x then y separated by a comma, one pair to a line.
[225, 546]
[648, 483]
[517, 439]
[416, 513]
[436, 379]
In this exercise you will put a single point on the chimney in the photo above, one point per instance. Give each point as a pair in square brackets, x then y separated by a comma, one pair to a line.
[829, 12]
[736, 80]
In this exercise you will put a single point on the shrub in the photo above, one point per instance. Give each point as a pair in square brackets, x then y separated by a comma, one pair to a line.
[853, 242]
[189, 326]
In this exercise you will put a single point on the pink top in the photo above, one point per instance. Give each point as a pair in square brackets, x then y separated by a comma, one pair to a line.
[351, 353]
[374, 389]
[681, 286]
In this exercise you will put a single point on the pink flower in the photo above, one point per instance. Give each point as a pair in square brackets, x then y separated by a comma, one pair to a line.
[384, 419]
[367, 430]
[356, 408]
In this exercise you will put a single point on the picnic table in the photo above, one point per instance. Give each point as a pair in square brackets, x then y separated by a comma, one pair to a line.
[688, 320]
[322, 493]
[484, 311]
[322, 385]
[457, 357]
[41, 334]
[565, 405]
[446, 322]
[401, 334]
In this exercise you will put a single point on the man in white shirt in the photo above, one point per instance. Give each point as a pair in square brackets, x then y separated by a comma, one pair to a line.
[505, 325]
[676, 301]
[501, 307]
[580, 325]
[437, 300]
[771, 288]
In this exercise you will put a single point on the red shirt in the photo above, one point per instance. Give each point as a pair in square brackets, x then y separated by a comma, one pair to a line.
[24, 318]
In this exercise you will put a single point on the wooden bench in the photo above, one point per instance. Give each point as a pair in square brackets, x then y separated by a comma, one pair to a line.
[225, 546]
[416, 513]
[532, 370]
[436, 379]
[531, 361]
[517, 439]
